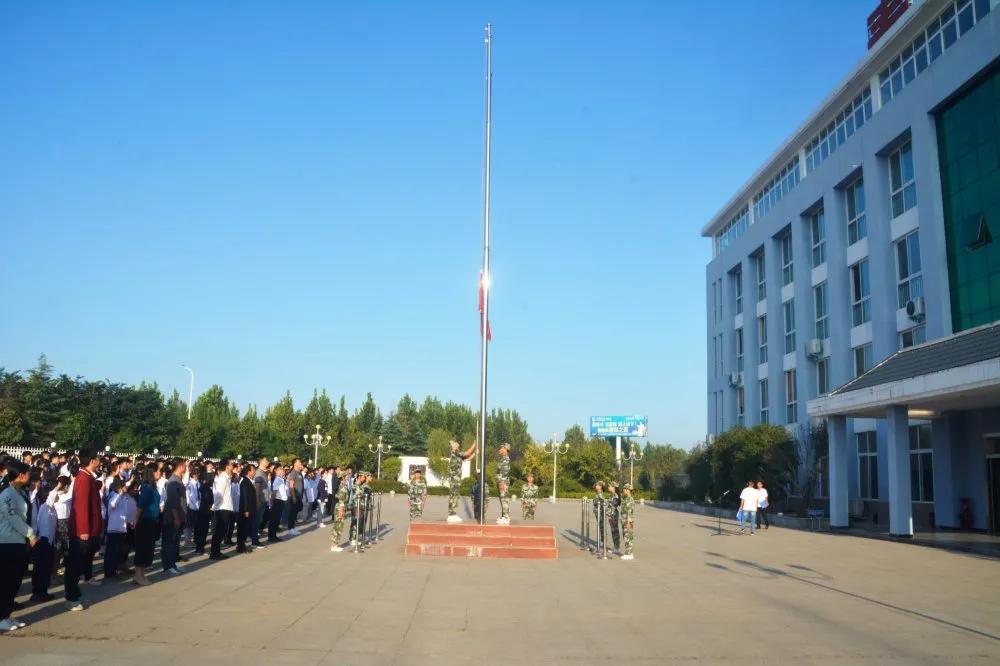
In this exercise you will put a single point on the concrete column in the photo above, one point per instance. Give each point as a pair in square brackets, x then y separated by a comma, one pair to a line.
[898, 450]
[945, 502]
[836, 428]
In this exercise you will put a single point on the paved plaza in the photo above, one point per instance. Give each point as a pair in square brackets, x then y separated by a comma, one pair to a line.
[780, 597]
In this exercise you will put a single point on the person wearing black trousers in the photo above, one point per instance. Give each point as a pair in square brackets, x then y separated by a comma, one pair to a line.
[15, 536]
[223, 507]
[279, 497]
[247, 509]
[762, 505]
[204, 517]
[614, 511]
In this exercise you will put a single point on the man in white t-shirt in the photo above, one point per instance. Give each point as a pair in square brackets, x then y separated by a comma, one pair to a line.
[762, 506]
[748, 507]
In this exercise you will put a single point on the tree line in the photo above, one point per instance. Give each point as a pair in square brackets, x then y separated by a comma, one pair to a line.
[39, 406]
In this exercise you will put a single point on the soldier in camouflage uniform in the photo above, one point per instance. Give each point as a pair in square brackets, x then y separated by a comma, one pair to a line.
[339, 513]
[628, 520]
[503, 485]
[598, 498]
[613, 511]
[358, 503]
[455, 460]
[529, 498]
[417, 493]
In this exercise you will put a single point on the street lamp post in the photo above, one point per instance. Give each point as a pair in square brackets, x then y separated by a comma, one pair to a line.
[190, 389]
[317, 440]
[555, 449]
[634, 453]
[380, 449]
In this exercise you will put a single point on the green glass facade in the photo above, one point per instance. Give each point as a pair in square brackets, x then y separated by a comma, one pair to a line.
[969, 148]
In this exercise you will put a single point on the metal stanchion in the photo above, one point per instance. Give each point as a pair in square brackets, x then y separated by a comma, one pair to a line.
[603, 553]
[583, 522]
[378, 517]
[355, 532]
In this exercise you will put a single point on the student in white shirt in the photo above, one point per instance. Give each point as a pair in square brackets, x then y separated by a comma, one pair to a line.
[193, 488]
[223, 507]
[748, 507]
[43, 518]
[762, 505]
[117, 527]
[310, 486]
[279, 498]
[61, 499]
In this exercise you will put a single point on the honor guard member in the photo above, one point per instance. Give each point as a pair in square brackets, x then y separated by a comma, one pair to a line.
[503, 484]
[529, 498]
[613, 510]
[339, 513]
[417, 493]
[628, 520]
[455, 460]
[357, 502]
[598, 498]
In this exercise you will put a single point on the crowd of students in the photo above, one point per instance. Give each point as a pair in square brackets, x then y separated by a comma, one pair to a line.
[58, 512]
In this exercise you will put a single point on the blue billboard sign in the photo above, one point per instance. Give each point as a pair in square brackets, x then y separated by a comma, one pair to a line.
[619, 426]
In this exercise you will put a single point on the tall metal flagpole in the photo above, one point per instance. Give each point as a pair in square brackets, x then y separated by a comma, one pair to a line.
[484, 327]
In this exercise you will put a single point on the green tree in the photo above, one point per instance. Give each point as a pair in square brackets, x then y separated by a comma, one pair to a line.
[438, 451]
[432, 414]
[368, 418]
[575, 436]
[216, 415]
[589, 462]
[319, 411]
[286, 425]
[412, 440]
[11, 426]
[391, 467]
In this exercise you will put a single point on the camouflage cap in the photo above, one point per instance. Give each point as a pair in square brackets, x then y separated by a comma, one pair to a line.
[627, 486]
[612, 484]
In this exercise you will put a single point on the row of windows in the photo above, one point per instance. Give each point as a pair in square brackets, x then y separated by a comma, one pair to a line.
[735, 228]
[953, 22]
[779, 186]
[849, 120]
[956, 20]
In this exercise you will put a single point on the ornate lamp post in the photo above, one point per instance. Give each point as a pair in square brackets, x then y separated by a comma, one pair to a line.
[380, 449]
[634, 453]
[555, 448]
[317, 440]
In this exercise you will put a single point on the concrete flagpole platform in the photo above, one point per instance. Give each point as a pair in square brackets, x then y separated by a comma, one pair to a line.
[536, 542]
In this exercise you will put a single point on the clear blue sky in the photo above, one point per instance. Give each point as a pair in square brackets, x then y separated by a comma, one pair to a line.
[287, 195]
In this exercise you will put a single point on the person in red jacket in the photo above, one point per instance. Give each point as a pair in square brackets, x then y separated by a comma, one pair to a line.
[85, 527]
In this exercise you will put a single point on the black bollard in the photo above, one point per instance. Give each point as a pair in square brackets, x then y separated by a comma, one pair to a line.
[583, 519]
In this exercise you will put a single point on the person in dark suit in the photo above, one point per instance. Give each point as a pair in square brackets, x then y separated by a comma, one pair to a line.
[247, 510]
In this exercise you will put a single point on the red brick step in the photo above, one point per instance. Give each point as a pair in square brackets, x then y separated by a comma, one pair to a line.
[473, 540]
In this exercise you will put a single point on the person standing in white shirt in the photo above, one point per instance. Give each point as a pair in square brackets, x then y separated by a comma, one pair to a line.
[44, 521]
[748, 507]
[762, 505]
[279, 498]
[223, 507]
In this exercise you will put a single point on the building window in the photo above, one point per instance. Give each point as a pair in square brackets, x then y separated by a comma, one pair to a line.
[762, 339]
[914, 336]
[788, 310]
[921, 464]
[957, 19]
[787, 267]
[739, 406]
[762, 396]
[791, 398]
[735, 227]
[739, 350]
[857, 225]
[902, 189]
[817, 229]
[862, 359]
[779, 186]
[843, 126]
[823, 376]
[908, 269]
[860, 294]
[867, 464]
[761, 276]
[738, 290]
[822, 310]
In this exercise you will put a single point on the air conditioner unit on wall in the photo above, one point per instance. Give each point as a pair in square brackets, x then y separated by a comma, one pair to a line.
[736, 379]
[915, 308]
[814, 348]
